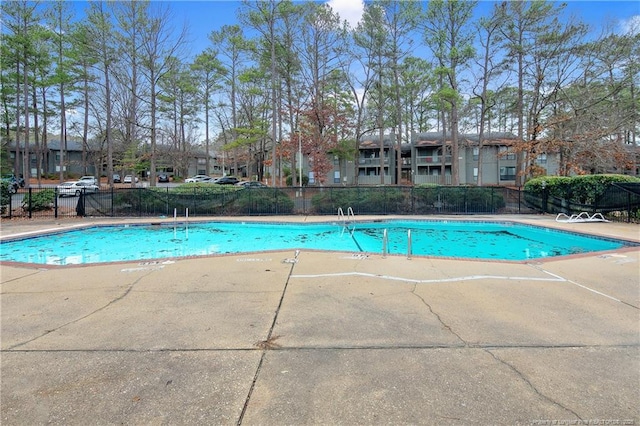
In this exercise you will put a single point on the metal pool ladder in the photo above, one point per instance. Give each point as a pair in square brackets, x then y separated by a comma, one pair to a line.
[385, 244]
[349, 218]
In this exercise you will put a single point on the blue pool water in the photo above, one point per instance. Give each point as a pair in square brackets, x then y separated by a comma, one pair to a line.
[462, 239]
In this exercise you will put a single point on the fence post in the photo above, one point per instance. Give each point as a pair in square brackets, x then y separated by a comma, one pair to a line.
[493, 206]
[466, 207]
[29, 204]
[519, 200]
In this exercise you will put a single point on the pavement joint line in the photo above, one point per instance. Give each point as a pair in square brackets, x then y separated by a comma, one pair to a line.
[594, 291]
[471, 346]
[586, 288]
[556, 278]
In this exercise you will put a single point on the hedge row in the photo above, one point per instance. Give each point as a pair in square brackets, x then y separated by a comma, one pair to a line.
[586, 189]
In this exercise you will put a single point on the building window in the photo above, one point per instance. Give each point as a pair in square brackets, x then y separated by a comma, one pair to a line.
[476, 153]
[202, 161]
[542, 159]
[507, 173]
[475, 174]
[505, 154]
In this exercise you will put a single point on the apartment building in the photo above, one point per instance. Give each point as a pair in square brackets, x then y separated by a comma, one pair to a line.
[427, 159]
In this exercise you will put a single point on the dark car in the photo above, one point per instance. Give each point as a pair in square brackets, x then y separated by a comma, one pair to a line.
[163, 177]
[251, 184]
[227, 180]
[116, 178]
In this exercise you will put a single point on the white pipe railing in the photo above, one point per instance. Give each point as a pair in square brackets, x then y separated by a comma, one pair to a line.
[385, 242]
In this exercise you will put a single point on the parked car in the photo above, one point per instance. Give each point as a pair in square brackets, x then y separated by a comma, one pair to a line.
[197, 178]
[227, 180]
[75, 188]
[89, 179]
[12, 183]
[251, 184]
[130, 179]
[163, 177]
[116, 178]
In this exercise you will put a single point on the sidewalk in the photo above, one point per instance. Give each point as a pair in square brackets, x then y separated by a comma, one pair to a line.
[323, 338]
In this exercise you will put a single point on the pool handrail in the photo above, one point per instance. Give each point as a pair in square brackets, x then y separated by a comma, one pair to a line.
[345, 219]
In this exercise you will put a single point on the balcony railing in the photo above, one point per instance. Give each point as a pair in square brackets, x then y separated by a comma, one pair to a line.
[432, 179]
[371, 161]
[432, 159]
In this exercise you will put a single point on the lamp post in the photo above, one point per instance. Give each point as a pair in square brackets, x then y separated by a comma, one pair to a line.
[299, 158]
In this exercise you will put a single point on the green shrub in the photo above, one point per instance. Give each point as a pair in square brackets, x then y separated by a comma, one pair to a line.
[329, 200]
[197, 197]
[41, 200]
[584, 189]
[4, 193]
[305, 181]
[459, 198]
[262, 201]
[369, 200]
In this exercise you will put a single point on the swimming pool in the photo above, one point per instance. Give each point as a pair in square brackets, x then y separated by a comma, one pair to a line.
[460, 239]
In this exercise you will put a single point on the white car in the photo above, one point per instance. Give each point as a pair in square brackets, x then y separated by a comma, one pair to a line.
[129, 179]
[76, 188]
[198, 178]
[89, 179]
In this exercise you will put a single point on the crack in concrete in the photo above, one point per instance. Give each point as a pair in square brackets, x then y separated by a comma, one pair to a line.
[445, 325]
[111, 302]
[21, 277]
[267, 344]
[531, 385]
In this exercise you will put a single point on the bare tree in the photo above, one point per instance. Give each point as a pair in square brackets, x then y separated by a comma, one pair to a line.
[159, 43]
[489, 38]
[448, 36]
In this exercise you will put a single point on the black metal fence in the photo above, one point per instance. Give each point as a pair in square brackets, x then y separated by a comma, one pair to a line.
[214, 200]
[618, 202]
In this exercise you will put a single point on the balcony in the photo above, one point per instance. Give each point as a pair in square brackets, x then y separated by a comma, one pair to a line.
[432, 159]
[371, 161]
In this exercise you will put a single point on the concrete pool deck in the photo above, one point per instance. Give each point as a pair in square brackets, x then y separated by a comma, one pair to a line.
[323, 337]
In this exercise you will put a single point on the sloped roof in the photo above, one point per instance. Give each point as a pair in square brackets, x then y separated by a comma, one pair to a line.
[52, 144]
[436, 138]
